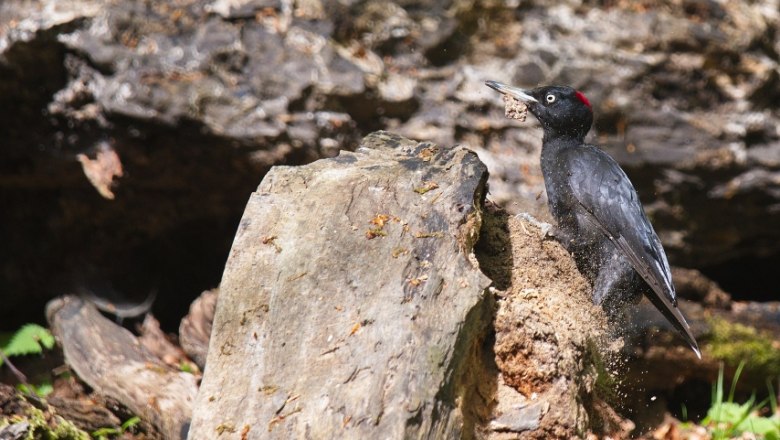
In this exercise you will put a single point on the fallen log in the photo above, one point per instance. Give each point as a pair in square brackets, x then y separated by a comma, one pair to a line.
[113, 362]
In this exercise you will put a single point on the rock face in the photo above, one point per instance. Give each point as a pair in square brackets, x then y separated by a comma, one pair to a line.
[193, 101]
[192, 106]
[350, 299]
[680, 93]
[354, 307]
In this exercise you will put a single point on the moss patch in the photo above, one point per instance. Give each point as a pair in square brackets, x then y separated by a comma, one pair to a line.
[43, 426]
[606, 384]
[733, 343]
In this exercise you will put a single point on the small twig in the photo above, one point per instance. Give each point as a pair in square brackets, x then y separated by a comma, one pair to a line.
[19, 375]
[28, 390]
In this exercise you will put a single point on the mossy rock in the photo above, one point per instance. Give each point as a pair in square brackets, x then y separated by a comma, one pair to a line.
[41, 425]
[733, 343]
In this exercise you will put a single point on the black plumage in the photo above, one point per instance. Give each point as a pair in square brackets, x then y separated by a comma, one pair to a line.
[598, 213]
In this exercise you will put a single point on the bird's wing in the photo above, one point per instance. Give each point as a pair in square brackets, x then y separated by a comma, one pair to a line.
[604, 192]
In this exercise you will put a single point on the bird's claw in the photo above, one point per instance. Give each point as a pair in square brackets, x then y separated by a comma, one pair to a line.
[548, 230]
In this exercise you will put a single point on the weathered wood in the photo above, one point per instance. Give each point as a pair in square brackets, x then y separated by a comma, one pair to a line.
[112, 361]
[351, 300]
[195, 328]
[158, 344]
[86, 414]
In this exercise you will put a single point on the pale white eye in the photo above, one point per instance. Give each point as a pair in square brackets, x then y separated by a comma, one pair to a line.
[550, 98]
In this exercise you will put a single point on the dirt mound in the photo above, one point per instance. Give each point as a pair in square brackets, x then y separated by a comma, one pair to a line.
[553, 345]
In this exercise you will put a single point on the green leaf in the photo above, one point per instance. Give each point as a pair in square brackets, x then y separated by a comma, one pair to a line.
[110, 431]
[47, 339]
[724, 412]
[44, 389]
[763, 426]
[41, 390]
[186, 367]
[30, 339]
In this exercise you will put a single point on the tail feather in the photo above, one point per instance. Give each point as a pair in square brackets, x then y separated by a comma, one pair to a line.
[674, 316]
[662, 291]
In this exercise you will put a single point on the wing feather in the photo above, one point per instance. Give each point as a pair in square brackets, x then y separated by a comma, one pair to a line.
[606, 194]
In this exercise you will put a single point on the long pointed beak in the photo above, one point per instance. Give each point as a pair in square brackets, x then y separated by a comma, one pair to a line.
[514, 92]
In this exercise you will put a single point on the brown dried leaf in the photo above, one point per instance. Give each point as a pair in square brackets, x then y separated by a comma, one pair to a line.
[102, 170]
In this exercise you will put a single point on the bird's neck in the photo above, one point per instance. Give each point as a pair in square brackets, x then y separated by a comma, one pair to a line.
[557, 141]
[552, 147]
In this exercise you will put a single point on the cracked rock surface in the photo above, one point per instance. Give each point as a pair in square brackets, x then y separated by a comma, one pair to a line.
[356, 272]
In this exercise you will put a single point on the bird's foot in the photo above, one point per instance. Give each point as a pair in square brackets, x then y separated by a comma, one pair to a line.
[548, 230]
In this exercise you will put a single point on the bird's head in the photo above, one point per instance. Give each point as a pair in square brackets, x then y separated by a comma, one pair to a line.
[561, 110]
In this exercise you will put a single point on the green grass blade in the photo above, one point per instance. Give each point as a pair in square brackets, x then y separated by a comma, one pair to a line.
[717, 398]
[131, 422]
[746, 409]
[735, 379]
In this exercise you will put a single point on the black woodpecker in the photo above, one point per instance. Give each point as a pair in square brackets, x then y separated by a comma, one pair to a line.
[600, 218]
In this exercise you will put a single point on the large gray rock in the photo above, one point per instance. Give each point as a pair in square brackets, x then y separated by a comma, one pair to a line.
[351, 299]
[352, 306]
